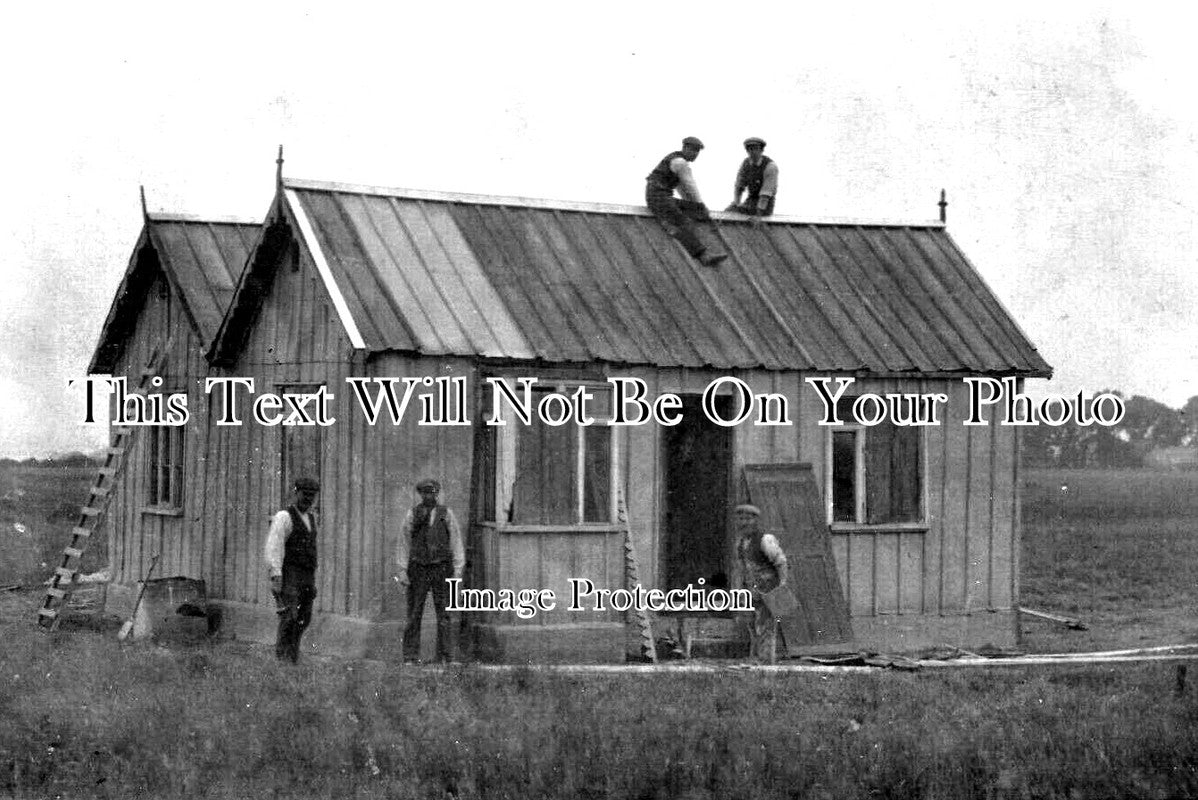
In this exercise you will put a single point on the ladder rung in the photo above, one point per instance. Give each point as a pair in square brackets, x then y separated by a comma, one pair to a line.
[81, 531]
[72, 552]
[108, 470]
[64, 572]
[100, 491]
[115, 451]
[54, 591]
[47, 612]
[91, 511]
[121, 431]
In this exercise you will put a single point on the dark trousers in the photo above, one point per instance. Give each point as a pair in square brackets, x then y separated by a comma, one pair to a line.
[673, 218]
[294, 606]
[750, 207]
[423, 579]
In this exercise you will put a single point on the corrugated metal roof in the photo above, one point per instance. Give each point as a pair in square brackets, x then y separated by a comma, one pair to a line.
[566, 282]
[205, 259]
[202, 260]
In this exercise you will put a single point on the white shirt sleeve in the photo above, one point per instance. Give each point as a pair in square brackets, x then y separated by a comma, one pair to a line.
[403, 544]
[687, 186]
[280, 529]
[775, 555]
[769, 181]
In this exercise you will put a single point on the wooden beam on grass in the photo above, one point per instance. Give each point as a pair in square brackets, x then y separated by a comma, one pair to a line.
[1068, 622]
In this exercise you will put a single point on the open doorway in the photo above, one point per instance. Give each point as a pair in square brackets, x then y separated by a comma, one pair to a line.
[697, 459]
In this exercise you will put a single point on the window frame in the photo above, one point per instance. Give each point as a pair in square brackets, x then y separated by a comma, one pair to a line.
[165, 497]
[506, 462]
[859, 513]
[860, 493]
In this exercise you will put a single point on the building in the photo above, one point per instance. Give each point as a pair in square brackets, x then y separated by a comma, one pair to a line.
[166, 313]
[378, 284]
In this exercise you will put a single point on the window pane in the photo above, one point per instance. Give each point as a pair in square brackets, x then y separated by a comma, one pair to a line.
[906, 467]
[878, 440]
[153, 434]
[546, 469]
[599, 406]
[177, 467]
[597, 480]
[844, 476]
[892, 478]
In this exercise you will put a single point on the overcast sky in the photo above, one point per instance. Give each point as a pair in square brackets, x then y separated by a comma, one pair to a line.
[1065, 136]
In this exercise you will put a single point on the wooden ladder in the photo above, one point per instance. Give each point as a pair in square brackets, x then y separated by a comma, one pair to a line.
[631, 578]
[62, 582]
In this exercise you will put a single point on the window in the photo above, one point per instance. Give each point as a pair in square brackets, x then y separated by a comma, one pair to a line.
[560, 474]
[165, 478]
[301, 448]
[875, 474]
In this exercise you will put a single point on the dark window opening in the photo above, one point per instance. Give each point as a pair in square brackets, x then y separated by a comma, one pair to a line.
[877, 474]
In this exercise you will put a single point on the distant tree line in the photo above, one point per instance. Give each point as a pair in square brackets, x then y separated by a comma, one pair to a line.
[75, 459]
[1150, 434]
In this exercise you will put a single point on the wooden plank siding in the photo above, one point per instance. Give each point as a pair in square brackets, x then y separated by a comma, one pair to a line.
[135, 535]
[367, 472]
[963, 561]
[958, 561]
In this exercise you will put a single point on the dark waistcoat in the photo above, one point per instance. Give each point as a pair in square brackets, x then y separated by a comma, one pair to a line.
[749, 549]
[299, 551]
[664, 177]
[760, 574]
[752, 176]
[430, 543]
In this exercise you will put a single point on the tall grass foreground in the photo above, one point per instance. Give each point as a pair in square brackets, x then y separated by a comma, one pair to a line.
[84, 716]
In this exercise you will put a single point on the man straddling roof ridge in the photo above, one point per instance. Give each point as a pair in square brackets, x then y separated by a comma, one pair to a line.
[757, 180]
[678, 216]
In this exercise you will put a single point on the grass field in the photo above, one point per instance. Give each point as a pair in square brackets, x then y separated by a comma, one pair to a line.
[38, 508]
[1118, 549]
[84, 716]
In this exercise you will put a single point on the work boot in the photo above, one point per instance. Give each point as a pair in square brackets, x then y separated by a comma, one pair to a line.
[712, 259]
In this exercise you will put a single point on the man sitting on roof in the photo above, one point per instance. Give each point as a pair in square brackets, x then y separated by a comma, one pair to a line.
[676, 216]
[757, 180]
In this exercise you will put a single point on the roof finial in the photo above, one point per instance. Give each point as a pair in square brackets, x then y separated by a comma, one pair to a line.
[279, 167]
[145, 214]
[943, 208]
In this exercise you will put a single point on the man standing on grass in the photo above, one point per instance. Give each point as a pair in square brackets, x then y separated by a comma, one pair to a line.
[291, 561]
[763, 569]
[429, 552]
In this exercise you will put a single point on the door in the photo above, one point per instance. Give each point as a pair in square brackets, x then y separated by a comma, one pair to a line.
[698, 461]
[791, 509]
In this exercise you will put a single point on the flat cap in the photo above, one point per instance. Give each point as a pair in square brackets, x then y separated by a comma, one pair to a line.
[428, 483]
[692, 141]
[747, 508]
[307, 484]
[753, 140]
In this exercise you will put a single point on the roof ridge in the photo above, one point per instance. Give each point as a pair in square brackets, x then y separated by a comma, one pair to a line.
[161, 216]
[577, 205]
